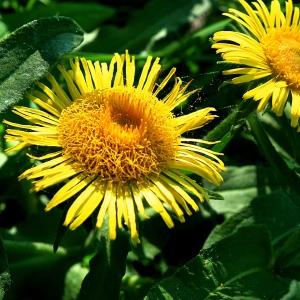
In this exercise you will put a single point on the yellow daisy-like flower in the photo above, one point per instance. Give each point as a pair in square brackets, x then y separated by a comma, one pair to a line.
[268, 50]
[117, 147]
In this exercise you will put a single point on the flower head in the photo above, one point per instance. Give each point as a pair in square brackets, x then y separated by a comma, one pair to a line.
[116, 145]
[268, 50]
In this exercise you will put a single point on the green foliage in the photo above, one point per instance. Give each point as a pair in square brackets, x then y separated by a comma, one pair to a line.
[244, 242]
[27, 54]
[241, 259]
[267, 210]
[237, 267]
[149, 24]
[241, 186]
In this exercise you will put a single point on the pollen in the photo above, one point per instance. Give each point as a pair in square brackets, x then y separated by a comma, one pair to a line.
[282, 50]
[120, 134]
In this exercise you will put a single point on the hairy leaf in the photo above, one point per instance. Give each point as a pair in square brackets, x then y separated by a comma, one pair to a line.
[28, 53]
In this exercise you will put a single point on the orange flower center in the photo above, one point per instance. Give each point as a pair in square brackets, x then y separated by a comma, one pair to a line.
[118, 134]
[282, 49]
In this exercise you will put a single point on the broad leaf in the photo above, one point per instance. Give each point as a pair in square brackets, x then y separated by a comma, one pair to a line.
[241, 185]
[28, 53]
[237, 267]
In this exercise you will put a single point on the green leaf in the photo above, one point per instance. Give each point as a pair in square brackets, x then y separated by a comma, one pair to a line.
[241, 185]
[156, 17]
[107, 268]
[28, 53]
[5, 280]
[237, 267]
[77, 11]
[279, 212]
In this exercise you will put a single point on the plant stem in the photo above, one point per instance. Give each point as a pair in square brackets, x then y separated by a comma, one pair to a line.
[230, 126]
[107, 268]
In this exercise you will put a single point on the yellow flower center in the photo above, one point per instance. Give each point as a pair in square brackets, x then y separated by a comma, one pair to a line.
[118, 134]
[282, 49]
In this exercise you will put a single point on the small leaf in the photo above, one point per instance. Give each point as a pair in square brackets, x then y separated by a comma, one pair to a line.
[28, 53]
[237, 267]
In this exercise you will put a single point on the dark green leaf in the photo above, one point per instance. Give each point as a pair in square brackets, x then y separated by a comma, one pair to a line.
[88, 15]
[28, 53]
[238, 267]
[107, 268]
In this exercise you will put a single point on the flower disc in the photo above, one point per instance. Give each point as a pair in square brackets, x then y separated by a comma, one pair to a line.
[118, 134]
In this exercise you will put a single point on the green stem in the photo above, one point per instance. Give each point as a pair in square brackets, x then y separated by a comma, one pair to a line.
[285, 177]
[107, 268]
[230, 126]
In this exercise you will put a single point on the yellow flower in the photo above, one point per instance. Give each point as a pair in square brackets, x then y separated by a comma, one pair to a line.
[268, 50]
[116, 146]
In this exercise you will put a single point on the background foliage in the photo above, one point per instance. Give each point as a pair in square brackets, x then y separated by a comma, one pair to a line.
[243, 244]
